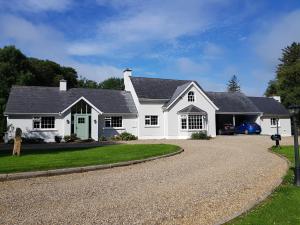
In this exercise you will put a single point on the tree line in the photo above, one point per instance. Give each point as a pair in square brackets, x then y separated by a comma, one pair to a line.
[18, 69]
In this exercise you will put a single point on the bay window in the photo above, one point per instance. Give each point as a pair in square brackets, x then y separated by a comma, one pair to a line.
[192, 122]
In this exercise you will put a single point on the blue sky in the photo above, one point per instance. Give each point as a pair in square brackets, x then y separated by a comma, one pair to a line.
[207, 41]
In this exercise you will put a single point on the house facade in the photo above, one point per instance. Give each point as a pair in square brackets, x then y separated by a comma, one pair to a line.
[149, 108]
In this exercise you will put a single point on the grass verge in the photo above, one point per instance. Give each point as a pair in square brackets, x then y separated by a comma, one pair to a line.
[54, 159]
[282, 207]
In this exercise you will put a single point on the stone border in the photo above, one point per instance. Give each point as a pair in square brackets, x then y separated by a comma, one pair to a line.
[46, 173]
[262, 198]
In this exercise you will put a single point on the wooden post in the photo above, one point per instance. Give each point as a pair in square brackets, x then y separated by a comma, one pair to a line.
[17, 142]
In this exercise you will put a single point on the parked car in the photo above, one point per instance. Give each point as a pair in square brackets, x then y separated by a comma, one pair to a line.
[227, 129]
[248, 128]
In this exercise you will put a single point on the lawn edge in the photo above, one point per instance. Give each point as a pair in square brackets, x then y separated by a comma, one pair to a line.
[265, 196]
[82, 169]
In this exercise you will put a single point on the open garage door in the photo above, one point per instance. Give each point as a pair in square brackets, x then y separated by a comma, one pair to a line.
[233, 119]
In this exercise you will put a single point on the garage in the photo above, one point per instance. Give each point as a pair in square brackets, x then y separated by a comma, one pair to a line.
[234, 108]
[234, 119]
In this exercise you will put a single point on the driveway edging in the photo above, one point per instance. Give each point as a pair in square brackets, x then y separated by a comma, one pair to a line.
[264, 197]
[46, 173]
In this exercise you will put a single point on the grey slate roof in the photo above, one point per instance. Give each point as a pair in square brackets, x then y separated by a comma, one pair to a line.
[192, 109]
[156, 88]
[34, 99]
[269, 106]
[232, 102]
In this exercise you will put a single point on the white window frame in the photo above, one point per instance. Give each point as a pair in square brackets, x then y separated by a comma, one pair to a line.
[148, 118]
[274, 119]
[184, 117]
[109, 118]
[191, 96]
[39, 119]
[187, 118]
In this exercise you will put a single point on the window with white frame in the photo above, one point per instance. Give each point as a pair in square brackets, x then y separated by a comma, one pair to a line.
[183, 122]
[192, 122]
[274, 122]
[151, 120]
[113, 121]
[46, 122]
[191, 96]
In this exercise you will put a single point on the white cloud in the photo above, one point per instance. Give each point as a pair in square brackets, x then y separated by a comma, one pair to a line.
[190, 67]
[162, 20]
[37, 5]
[212, 51]
[276, 35]
[88, 48]
[44, 42]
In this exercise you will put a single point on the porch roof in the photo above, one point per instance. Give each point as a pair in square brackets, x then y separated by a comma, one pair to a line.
[191, 109]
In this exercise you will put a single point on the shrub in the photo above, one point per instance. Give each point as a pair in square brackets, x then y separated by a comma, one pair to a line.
[116, 138]
[102, 138]
[71, 138]
[200, 136]
[57, 139]
[125, 136]
[32, 140]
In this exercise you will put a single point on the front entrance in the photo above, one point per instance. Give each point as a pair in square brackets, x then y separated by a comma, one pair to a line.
[82, 126]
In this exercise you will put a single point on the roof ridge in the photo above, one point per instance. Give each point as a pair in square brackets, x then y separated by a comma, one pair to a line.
[102, 89]
[162, 78]
[31, 86]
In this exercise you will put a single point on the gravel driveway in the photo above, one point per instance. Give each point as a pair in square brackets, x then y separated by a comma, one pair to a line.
[210, 182]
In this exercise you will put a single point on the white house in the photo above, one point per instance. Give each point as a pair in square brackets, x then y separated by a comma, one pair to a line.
[149, 108]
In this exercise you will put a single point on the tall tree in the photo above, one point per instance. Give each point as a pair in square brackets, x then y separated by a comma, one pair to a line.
[17, 69]
[112, 83]
[233, 85]
[287, 81]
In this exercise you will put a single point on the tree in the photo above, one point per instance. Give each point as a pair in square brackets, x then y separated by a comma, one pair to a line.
[287, 81]
[113, 83]
[17, 69]
[233, 85]
[85, 83]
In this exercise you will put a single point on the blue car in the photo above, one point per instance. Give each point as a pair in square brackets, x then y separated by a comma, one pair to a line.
[248, 128]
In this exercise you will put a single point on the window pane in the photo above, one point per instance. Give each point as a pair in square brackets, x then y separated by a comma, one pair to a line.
[116, 121]
[191, 96]
[81, 120]
[47, 122]
[151, 120]
[154, 120]
[107, 122]
[195, 122]
[183, 123]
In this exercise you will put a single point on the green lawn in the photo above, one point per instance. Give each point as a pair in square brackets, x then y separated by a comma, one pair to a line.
[282, 207]
[53, 159]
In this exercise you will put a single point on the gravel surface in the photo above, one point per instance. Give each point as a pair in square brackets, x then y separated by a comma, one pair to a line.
[208, 183]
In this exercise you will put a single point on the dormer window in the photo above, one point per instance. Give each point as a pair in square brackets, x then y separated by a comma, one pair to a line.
[191, 96]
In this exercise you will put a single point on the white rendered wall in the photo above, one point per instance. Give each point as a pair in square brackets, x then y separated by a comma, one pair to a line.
[129, 123]
[151, 132]
[173, 123]
[267, 129]
[67, 123]
[94, 124]
[25, 122]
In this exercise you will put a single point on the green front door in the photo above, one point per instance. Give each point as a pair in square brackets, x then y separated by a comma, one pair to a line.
[82, 126]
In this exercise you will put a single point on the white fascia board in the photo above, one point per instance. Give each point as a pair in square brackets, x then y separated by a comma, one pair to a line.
[196, 86]
[81, 98]
[238, 113]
